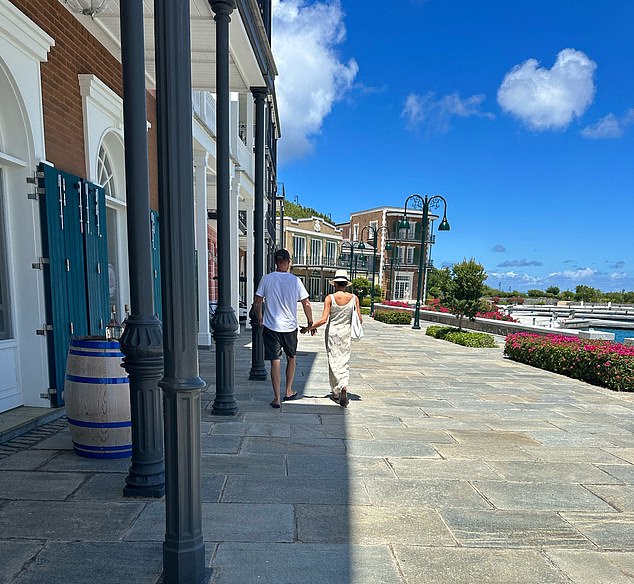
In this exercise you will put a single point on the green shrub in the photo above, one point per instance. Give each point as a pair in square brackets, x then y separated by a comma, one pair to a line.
[365, 310]
[367, 301]
[602, 363]
[393, 316]
[464, 338]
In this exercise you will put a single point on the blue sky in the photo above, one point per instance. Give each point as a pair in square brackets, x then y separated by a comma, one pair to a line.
[520, 113]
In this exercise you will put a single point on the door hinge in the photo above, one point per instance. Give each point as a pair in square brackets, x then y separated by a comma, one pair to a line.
[47, 328]
[47, 394]
[40, 265]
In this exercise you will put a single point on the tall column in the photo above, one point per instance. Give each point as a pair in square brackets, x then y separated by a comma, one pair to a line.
[258, 370]
[224, 322]
[183, 547]
[234, 246]
[249, 263]
[204, 332]
[142, 340]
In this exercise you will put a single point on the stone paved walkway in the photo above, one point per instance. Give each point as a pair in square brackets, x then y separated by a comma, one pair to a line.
[450, 465]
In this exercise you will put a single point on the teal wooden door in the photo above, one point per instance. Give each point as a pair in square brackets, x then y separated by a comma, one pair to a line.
[74, 243]
[96, 248]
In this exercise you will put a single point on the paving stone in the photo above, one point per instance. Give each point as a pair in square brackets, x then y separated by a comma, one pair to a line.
[238, 563]
[621, 497]
[483, 452]
[595, 567]
[13, 555]
[292, 490]
[607, 531]
[434, 494]
[522, 529]
[64, 520]
[224, 522]
[26, 460]
[59, 441]
[572, 454]
[43, 486]
[259, 429]
[348, 523]
[285, 446]
[561, 472]
[389, 448]
[422, 565]
[303, 433]
[260, 465]
[423, 468]
[69, 461]
[103, 562]
[337, 466]
[103, 487]
[623, 472]
[541, 496]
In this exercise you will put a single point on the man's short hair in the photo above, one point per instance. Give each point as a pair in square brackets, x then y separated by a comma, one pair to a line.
[282, 255]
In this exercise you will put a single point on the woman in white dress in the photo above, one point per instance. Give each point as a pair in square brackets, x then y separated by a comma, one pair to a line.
[337, 316]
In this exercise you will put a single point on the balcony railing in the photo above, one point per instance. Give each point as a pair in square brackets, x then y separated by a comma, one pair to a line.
[204, 106]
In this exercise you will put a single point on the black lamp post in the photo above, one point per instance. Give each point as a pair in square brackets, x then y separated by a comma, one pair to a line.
[388, 247]
[423, 203]
[349, 244]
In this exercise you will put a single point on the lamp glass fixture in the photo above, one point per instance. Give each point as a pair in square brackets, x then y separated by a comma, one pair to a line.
[87, 7]
[444, 225]
[388, 246]
[403, 223]
[361, 245]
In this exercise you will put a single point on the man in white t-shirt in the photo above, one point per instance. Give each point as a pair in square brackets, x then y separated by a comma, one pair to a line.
[282, 291]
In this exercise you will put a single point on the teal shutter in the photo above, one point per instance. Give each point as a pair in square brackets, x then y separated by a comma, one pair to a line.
[75, 282]
[95, 236]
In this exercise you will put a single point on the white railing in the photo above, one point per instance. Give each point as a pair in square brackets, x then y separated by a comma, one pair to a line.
[204, 106]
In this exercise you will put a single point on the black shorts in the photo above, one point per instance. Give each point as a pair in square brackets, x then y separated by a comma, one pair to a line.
[274, 342]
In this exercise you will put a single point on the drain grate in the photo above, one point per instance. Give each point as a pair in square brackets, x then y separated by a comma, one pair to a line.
[32, 437]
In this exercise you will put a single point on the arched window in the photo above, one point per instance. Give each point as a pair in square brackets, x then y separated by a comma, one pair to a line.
[111, 176]
[105, 173]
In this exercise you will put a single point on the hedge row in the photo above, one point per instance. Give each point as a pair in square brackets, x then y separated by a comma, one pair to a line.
[393, 316]
[602, 363]
[465, 338]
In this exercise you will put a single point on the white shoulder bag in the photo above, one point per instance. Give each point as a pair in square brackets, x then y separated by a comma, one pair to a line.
[356, 328]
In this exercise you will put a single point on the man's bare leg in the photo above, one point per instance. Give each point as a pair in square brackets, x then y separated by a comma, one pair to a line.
[290, 374]
[276, 378]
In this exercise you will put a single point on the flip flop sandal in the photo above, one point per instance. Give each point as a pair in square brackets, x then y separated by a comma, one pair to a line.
[276, 406]
[291, 397]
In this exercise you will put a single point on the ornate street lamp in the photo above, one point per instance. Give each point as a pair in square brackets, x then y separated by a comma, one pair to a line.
[423, 203]
[88, 7]
[351, 245]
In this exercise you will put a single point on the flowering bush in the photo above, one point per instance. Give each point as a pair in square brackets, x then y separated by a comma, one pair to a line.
[398, 303]
[599, 362]
[435, 306]
[496, 315]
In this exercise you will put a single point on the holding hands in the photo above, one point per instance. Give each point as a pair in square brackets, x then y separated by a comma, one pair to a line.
[307, 328]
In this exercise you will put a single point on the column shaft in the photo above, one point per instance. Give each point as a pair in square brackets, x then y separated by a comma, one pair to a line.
[183, 547]
[142, 342]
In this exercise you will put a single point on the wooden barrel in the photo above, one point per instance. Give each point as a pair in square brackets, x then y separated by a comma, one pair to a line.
[97, 396]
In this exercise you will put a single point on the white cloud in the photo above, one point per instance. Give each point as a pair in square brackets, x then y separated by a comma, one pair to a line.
[549, 98]
[311, 76]
[511, 275]
[436, 114]
[618, 275]
[609, 126]
[579, 274]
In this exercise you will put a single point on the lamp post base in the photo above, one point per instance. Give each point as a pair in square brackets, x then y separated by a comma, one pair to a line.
[224, 325]
[258, 370]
